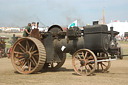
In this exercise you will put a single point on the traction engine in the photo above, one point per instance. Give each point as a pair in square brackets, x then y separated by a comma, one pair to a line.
[91, 48]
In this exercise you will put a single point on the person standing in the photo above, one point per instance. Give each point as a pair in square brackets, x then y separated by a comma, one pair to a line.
[27, 30]
[33, 25]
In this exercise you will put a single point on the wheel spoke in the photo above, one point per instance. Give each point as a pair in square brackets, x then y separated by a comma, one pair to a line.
[21, 46]
[34, 52]
[22, 63]
[104, 64]
[18, 56]
[90, 66]
[30, 49]
[101, 66]
[22, 50]
[86, 71]
[90, 61]
[24, 66]
[19, 61]
[78, 56]
[26, 47]
[33, 47]
[89, 69]
[34, 60]
[86, 54]
[29, 66]
[83, 55]
[27, 43]
[18, 52]
[90, 57]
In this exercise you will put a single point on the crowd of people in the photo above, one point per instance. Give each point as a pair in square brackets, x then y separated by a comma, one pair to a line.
[122, 38]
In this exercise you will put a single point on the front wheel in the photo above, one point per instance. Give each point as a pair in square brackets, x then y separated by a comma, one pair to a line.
[84, 62]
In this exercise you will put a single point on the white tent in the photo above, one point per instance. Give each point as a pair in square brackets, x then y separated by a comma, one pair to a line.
[121, 27]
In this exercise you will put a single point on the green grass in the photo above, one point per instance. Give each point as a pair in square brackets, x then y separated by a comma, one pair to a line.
[124, 46]
[123, 42]
[8, 45]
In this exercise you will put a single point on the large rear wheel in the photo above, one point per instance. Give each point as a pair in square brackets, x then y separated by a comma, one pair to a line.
[28, 55]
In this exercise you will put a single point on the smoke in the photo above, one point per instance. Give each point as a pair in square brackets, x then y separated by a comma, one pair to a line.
[80, 22]
[67, 11]
[41, 23]
[46, 12]
[71, 16]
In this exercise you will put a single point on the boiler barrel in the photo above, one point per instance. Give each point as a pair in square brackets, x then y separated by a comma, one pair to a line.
[95, 38]
[66, 46]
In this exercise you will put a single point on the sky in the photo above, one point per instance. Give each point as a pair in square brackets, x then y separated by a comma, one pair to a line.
[61, 12]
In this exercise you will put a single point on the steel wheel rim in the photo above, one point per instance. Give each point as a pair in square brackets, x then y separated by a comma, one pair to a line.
[28, 58]
[84, 62]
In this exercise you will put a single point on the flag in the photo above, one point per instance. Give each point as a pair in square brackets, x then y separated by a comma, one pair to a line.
[73, 24]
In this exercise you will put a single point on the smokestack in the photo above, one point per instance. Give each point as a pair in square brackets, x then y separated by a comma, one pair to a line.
[95, 22]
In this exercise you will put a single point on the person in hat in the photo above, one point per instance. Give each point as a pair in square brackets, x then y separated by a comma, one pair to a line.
[27, 30]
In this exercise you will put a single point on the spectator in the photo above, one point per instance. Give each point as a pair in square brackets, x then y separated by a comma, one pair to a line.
[27, 30]
[126, 38]
[33, 25]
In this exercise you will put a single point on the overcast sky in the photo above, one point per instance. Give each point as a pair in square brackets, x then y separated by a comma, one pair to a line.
[62, 12]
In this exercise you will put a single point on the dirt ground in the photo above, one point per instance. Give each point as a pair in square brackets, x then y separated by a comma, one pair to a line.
[116, 75]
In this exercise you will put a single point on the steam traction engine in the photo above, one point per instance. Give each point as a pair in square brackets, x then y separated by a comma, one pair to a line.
[91, 48]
